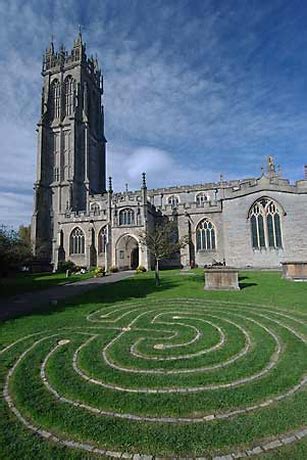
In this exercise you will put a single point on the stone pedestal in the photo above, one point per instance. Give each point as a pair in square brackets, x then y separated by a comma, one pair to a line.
[221, 279]
[295, 271]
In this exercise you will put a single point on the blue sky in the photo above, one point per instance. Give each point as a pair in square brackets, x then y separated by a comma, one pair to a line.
[193, 88]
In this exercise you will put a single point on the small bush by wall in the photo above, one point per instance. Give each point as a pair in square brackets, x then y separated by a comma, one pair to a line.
[140, 269]
[114, 269]
[66, 265]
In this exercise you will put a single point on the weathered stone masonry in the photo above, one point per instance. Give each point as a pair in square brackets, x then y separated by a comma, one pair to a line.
[75, 217]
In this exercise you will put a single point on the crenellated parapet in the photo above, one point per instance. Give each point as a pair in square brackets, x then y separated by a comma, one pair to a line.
[83, 216]
[205, 196]
[127, 198]
[57, 61]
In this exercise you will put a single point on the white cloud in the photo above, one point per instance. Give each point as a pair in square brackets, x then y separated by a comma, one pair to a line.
[187, 96]
[18, 156]
[161, 167]
[15, 208]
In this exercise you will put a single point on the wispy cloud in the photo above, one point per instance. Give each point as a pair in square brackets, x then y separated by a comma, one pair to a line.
[190, 90]
[155, 162]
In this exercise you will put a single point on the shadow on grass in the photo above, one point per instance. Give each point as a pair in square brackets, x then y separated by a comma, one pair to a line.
[245, 284]
[122, 290]
[127, 289]
[22, 283]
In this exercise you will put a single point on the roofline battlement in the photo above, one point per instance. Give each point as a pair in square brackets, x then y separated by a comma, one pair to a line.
[53, 61]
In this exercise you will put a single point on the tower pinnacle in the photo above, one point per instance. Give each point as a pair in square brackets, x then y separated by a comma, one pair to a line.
[144, 185]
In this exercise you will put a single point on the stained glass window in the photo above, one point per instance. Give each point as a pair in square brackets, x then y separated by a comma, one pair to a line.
[265, 224]
[205, 236]
[126, 217]
[77, 241]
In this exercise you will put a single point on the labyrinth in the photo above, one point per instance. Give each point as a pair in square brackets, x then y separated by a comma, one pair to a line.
[163, 378]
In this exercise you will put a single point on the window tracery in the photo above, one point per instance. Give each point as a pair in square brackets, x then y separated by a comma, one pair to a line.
[126, 217]
[205, 236]
[77, 241]
[55, 99]
[173, 200]
[69, 85]
[102, 240]
[201, 198]
[265, 219]
[95, 208]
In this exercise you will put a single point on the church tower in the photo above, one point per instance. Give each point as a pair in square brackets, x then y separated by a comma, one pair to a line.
[71, 142]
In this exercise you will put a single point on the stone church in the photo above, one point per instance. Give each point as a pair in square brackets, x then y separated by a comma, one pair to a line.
[253, 222]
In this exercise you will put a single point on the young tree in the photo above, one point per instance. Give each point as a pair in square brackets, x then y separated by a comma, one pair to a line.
[162, 242]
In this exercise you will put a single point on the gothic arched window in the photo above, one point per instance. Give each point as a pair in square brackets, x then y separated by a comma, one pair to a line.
[69, 86]
[205, 236]
[95, 208]
[126, 217]
[102, 240]
[77, 241]
[173, 201]
[55, 99]
[265, 222]
[201, 198]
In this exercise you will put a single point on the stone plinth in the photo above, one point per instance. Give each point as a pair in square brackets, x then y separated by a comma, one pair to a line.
[221, 279]
[296, 271]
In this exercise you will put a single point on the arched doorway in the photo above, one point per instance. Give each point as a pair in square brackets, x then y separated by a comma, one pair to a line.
[127, 253]
[135, 258]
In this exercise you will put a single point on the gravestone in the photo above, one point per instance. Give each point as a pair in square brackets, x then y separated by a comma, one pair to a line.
[221, 279]
[295, 271]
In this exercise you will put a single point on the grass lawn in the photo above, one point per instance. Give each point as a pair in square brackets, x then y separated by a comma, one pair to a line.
[26, 282]
[173, 371]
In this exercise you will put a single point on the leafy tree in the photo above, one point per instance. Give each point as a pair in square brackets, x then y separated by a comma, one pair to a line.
[14, 251]
[24, 233]
[162, 242]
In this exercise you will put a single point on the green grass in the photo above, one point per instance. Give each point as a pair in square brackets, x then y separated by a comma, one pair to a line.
[26, 282]
[268, 316]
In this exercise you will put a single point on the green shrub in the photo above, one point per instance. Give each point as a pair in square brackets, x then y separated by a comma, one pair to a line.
[114, 269]
[140, 269]
[66, 265]
[99, 272]
[15, 251]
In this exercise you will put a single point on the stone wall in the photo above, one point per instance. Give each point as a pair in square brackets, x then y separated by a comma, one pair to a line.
[237, 242]
[229, 215]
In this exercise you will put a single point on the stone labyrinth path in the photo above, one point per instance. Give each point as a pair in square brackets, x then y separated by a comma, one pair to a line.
[169, 378]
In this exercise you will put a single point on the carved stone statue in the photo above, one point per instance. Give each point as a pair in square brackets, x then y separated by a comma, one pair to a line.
[271, 169]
